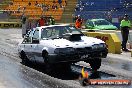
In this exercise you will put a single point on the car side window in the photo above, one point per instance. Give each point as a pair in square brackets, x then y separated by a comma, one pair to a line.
[36, 34]
[28, 38]
[49, 33]
[55, 32]
[90, 23]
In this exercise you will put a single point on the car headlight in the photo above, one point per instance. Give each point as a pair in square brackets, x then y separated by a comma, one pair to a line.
[64, 50]
[98, 46]
[95, 46]
[102, 45]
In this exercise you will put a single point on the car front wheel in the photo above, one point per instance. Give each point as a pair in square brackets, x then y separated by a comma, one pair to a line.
[66, 67]
[95, 63]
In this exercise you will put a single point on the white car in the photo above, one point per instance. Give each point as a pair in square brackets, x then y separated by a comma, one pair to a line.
[61, 45]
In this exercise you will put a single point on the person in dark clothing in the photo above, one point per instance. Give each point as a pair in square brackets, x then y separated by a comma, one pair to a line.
[53, 1]
[51, 21]
[29, 3]
[24, 25]
[18, 9]
[125, 26]
[36, 3]
[60, 3]
[65, 2]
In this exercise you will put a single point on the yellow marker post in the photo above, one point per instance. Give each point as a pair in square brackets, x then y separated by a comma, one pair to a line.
[111, 39]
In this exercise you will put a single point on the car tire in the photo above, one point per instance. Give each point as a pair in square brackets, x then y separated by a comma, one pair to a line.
[66, 67]
[62, 67]
[95, 64]
[24, 58]
[47, 65]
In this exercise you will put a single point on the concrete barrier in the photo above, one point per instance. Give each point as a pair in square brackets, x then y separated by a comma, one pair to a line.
[111, 39]
[10, 25]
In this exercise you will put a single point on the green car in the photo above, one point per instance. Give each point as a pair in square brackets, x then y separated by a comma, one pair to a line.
[99, 24]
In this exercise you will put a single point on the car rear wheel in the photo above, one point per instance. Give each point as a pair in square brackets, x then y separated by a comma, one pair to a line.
[24, 58]
[95, 63]
[47, 65]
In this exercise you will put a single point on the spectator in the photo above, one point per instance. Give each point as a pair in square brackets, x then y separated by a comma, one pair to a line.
[31, 24]
[11, 3]
[41, 22]
[18, 9]
[125, 26]
[53, 1]
[65, 2]
[36, 3]
[54, 7]
[78, 23]
[77, 8]
[4, 11]
[9, 12]
[28, 25]
[73, 16]
[51, 21]
[81, 9]
[45, 7]
[24, 9]
[60, 2]
[48, 7]
[14, 11]
[29, 4]
[24, 25]
[76, 17]
[42, 5]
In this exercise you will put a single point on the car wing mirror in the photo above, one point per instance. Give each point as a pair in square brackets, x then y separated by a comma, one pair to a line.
[35, 41]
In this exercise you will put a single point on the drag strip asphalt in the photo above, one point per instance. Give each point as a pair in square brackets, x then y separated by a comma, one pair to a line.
[16, 75]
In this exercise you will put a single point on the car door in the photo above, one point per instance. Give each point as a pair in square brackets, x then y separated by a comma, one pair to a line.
[27, 43]
[37, 53]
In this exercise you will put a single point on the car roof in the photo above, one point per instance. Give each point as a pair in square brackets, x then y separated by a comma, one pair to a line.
[53, 26]
[96, 19]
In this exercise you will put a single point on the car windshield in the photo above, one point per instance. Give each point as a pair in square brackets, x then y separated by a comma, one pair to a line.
[102, 22]
[58, 32]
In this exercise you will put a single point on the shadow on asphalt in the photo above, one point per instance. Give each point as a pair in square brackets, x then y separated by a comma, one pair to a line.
[69, 75]
[56, 73]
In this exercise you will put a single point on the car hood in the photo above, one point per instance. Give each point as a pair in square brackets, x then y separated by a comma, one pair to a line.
[62, 43]
[106, 27]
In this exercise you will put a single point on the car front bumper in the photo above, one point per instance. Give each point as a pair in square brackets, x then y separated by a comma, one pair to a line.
[82, 56]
